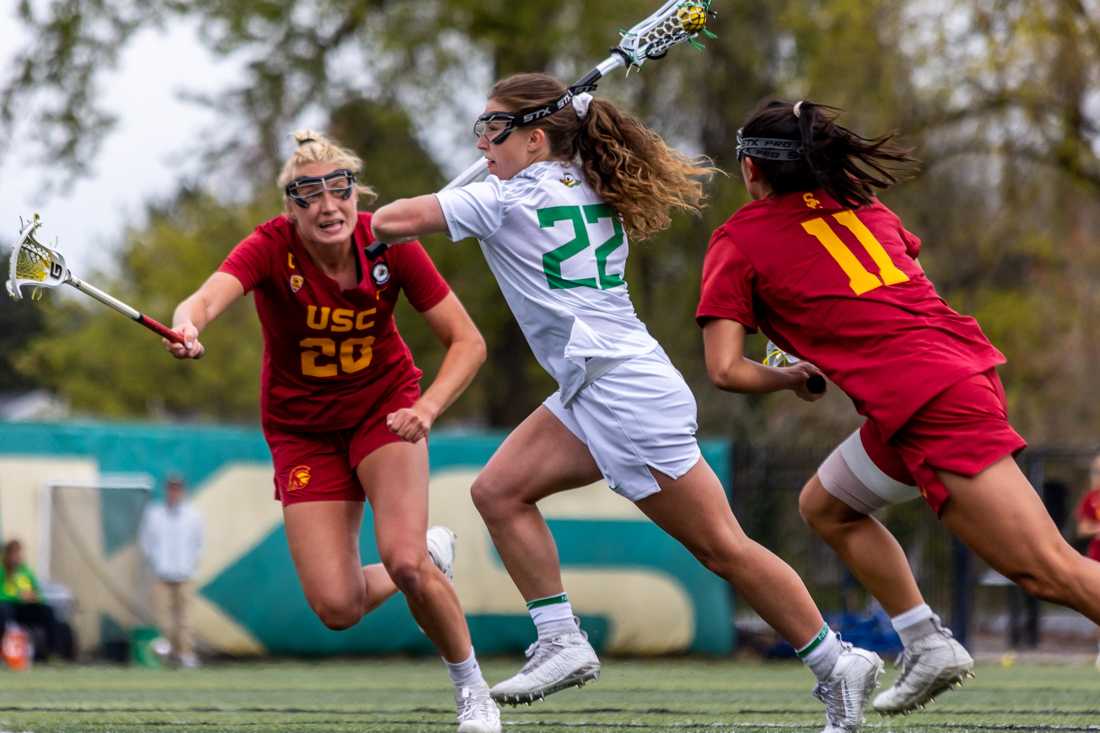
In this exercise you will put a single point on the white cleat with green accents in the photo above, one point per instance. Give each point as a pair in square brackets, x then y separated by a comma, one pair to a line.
[554, 664]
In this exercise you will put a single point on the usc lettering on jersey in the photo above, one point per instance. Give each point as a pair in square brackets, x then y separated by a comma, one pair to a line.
[330, 355]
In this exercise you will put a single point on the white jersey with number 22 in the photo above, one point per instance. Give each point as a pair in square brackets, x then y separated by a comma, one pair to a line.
[559, 255]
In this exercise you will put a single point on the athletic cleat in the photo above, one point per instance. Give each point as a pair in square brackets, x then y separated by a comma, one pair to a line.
[929, 666]
[477, 713]
[441, 549]
[552, 665]
[848, 688]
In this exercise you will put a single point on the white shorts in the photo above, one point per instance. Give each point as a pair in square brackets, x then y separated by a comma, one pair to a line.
[637, 416]
[851, 475]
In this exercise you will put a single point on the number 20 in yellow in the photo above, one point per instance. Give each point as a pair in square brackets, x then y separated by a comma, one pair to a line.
[859, 279]
[319, 357]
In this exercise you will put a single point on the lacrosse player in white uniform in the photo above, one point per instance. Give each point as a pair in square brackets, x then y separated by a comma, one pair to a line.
[571, 180]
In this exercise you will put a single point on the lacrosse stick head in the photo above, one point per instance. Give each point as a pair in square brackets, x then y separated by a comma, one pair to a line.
[675, 22]
[776, 357]
[33, 264]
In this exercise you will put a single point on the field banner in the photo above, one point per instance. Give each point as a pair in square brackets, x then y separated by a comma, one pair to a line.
[637, 590]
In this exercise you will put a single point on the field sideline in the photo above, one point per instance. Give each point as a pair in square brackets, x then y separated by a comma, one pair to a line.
[402, 696]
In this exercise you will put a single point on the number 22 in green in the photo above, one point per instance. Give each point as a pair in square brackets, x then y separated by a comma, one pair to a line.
[580, 217]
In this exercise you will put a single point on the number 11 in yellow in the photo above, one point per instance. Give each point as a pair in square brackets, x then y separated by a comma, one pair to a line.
[859, 278]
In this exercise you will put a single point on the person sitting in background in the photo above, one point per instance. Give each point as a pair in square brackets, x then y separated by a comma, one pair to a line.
[21, 600]
[1088, 524]
[171, 540]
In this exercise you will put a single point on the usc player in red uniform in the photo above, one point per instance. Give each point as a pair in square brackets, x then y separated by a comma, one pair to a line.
[1088, 524]
[341, 405]
[830, 275]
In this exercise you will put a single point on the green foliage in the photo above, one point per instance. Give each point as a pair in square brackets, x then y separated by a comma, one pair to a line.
[995, 98]
[106, 366]
[19, 323]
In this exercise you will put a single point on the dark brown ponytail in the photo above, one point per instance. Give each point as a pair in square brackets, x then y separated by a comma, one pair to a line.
[847, 165]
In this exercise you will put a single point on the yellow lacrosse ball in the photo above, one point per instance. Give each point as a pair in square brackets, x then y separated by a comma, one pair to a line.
[692, 17]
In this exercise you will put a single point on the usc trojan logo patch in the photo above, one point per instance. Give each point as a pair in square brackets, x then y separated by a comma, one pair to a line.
[296, 282]
[299, 478]
[380, 274]
[811, 202]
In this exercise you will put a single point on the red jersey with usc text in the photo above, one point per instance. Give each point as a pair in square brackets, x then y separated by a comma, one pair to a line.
[330, 355]
[842, 289]
[1090, 509]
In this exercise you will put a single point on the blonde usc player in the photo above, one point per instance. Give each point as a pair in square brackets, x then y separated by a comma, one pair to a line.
[818, 264]
[341, 405]
[572, 181]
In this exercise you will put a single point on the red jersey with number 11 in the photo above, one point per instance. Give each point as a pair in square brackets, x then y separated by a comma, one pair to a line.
[330, 355]
[842, 290]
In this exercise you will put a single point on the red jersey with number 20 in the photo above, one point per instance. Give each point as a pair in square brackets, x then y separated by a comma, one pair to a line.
[842, 290]
[330, 355]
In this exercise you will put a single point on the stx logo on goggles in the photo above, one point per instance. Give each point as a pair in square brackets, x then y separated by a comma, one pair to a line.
[548, 110]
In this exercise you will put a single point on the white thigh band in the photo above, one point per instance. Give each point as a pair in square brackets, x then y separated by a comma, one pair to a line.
[850, 475]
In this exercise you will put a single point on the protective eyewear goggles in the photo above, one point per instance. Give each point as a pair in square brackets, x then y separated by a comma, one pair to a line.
[304, 190]
[497, 124]
[502, 124]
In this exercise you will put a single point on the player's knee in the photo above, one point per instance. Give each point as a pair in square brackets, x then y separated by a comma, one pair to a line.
[1040, 587]
[338, 613]
[490, 497]
[725, 559]
[1050, 576]
[407, 572]
[809, 507]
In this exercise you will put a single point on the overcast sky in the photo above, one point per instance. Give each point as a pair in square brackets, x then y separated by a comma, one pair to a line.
[143, 157]
[139, 159]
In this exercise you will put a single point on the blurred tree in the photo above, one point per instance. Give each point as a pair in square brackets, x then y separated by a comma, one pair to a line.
[997, 95]
[104, 366]
[20, 323]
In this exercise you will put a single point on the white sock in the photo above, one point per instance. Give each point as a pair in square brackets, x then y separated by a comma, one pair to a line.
[553, 615]
[821, 653]
[915, 623]
[467, 673]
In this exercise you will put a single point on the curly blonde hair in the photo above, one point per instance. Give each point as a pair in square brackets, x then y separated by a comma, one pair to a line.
[314, 147]
[629, 165]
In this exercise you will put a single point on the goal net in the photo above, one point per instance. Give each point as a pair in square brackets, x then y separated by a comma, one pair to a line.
[97, 578]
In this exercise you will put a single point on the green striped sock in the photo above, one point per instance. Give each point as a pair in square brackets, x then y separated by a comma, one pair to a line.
[821, 653]
[553, 615]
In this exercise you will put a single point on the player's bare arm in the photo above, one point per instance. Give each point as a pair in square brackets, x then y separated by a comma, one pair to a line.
[466, 353]
[199, 309]
[407, 219]
[730, 370]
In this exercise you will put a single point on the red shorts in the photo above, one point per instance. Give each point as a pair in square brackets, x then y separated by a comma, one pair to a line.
[962, 430]
[321, 466]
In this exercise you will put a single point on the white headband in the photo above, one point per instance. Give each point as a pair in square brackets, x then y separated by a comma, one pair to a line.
[580, 104]
[798, 109]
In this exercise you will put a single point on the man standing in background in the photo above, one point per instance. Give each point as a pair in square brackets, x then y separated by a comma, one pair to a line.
[171, 540]
[1088, 522]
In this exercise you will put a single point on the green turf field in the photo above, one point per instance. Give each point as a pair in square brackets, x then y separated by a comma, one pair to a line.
[373, 696]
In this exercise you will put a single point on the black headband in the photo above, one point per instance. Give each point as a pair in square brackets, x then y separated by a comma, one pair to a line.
[769, 148]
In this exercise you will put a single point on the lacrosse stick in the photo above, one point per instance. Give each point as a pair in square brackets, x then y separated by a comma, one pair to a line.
[776, 357]
[37, 266]
[674, 22]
